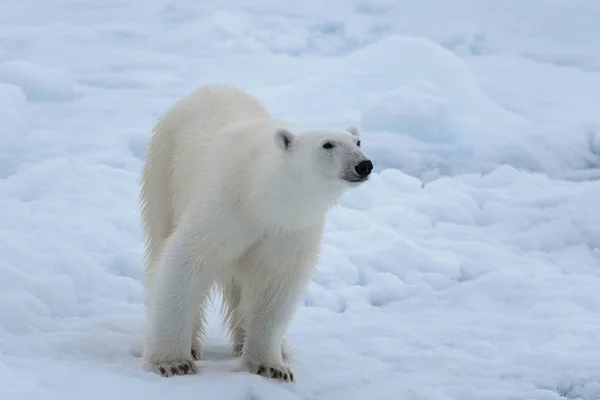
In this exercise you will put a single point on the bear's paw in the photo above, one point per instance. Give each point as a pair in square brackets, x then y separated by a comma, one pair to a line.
[277, 371]
[173, 367]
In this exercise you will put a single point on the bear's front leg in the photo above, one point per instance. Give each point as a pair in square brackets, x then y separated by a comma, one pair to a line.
[179, 285]
[232, 299]
[283, 268]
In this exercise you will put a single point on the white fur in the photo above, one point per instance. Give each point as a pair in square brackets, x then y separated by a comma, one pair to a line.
[235, 198]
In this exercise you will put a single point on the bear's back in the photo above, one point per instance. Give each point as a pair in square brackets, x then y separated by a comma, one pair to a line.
[195, 121]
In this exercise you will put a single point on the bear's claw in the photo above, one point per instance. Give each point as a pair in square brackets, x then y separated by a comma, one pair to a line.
[175, 367]
[274, 371]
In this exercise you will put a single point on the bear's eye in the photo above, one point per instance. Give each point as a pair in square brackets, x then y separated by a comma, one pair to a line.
[358, 143]
[328, 145]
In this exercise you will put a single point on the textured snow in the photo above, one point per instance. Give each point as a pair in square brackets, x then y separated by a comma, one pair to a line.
[468, 268]
[15, 128]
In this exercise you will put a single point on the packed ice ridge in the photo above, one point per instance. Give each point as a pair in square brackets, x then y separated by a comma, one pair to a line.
[467, 268]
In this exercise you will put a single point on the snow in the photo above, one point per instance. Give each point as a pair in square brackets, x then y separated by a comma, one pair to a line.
[427, 114]
[466, 268]
[37, 82]
[13, 136]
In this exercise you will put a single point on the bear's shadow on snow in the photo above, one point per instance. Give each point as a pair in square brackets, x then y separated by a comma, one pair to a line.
[217, 352]
[211, 352]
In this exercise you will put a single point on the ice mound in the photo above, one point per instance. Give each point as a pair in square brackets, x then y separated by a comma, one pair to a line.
[422, 111]
[343, 89]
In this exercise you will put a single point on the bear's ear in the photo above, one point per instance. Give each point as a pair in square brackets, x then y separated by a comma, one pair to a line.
[284, 138]
[353, 130]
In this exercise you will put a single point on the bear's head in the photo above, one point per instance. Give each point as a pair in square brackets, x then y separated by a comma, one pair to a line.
[333, 157]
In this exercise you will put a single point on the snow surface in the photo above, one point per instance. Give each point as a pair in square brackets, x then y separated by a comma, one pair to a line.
[467, 268]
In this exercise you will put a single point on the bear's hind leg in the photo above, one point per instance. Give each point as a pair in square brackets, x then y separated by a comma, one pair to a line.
[286, 350]
[198, 332]
[233, 314]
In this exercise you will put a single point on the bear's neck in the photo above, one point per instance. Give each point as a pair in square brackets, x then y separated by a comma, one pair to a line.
[293, 203]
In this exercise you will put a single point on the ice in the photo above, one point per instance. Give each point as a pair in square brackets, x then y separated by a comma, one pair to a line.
[466, 268]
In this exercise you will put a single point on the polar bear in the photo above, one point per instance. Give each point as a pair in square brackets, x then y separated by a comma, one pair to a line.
[235, 199]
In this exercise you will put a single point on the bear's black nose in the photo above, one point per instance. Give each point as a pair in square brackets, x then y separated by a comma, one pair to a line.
[364, 168]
